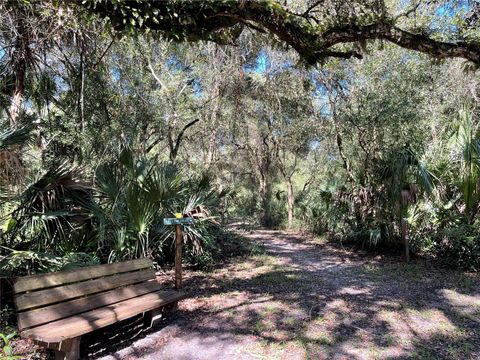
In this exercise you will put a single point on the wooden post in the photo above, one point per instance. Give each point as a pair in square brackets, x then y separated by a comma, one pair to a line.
[178, 256]
[405, 239]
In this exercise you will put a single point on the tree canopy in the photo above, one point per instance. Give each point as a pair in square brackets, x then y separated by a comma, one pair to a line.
[315, 29]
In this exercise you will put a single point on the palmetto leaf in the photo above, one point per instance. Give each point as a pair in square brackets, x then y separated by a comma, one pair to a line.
[404, 164]
[141, 208]
[50, 209]
[163, 183]
[465, 155]
[15, 136]
[108, 181]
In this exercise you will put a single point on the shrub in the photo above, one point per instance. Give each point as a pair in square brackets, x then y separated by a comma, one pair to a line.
[220, 246]
[459, 246]
[19, 262]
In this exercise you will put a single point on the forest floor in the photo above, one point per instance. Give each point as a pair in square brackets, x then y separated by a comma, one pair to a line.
[304, 298]
[307, 299]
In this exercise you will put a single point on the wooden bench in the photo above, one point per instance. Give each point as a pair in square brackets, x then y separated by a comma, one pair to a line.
[56, 309]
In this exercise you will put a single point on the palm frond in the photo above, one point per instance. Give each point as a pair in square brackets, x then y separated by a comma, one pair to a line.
[13, 137]
[464, 147]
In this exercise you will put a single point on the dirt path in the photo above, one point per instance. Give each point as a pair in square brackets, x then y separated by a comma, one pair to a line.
[302, 300]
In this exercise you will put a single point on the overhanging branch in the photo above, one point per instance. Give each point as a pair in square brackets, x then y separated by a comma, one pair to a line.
[221, 20]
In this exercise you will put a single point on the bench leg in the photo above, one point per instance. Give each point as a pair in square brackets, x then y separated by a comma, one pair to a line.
[171, 307]
[68, 350]
[150, 317]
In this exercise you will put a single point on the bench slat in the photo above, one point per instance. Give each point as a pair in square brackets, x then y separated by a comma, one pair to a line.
[87, 322]
[67, 292]
[62, 310]
[34, 282]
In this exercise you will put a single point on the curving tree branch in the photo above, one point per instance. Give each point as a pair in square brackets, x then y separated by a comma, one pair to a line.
[223, 20]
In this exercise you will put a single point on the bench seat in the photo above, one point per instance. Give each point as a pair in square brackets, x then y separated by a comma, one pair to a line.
[86, 322]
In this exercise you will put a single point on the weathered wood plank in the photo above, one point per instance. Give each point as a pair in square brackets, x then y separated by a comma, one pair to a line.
[62, 310]
[34, 282]
[67, 292]
[87, 322]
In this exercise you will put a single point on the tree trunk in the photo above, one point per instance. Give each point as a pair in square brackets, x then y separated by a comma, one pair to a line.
[405, 239]
[18, 90]
[346, 163]
[265, 194]
[212, 146]
[260, 158]
[290, 201]
[81, 97]
[21, 55]
[212, 141]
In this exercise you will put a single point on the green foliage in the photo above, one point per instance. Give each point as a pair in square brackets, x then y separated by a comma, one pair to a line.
[464, 144]
[137, 194]
[49, 208]
[397, 169]
[459, 246]
[6, 351]
[315, 30]
[13, 137]
[59, 217]
[22, 262]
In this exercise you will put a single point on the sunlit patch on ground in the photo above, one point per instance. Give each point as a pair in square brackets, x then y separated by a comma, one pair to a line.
[429, 322]
[354, 290]
[468, 305]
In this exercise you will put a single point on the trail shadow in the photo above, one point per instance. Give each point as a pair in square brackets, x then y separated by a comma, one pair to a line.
[108, 340]
[339, 305]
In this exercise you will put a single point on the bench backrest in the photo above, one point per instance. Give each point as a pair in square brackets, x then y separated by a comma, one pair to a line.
[44, 298]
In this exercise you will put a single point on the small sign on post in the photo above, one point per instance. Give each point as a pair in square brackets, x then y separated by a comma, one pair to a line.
[175, 221]
[178, 221]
